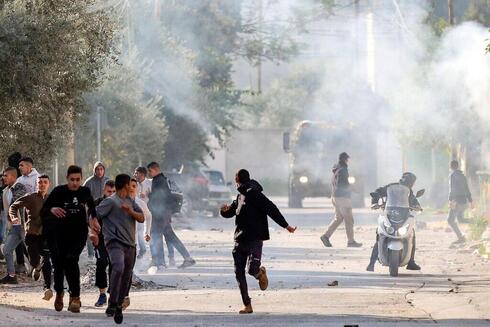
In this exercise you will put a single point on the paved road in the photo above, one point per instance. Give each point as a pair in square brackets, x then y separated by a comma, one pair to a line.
[452, 289]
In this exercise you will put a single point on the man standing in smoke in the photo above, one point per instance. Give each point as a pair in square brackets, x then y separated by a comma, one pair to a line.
[251, 209]
[459, 197]
[160, 205]
[341, 199]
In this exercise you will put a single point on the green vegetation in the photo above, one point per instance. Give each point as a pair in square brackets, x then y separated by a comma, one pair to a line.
[478, 224]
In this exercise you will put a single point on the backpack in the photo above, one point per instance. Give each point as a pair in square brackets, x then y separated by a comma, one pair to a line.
[176, 196]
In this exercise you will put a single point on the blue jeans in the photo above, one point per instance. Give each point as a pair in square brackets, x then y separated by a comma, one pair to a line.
[163, 228]
[14, 237]
[140, 233]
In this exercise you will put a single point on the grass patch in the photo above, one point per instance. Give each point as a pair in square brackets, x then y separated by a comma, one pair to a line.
[478, 225]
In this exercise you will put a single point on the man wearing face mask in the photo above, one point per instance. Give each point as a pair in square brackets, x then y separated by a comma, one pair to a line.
[65, 227]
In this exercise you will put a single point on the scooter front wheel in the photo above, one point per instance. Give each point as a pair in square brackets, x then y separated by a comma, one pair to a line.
[394, 262]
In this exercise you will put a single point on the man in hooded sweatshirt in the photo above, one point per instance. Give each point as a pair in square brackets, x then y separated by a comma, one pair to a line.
[341, 199]
[96, 184]
[251, 209]
[459, 197]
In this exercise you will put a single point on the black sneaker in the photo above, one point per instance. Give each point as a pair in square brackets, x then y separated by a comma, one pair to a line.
[187, 263]
[118, 315]
[326, 241]
[460, 240]
[36, 274]
[101, 301]
[413, 266]
[9, 280]
[111, 310]
[20, 269]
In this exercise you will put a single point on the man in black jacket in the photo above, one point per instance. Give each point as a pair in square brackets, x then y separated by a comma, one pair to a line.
[251, 209]
[408, 179]
[341, 200]
[160, 206]
[459, 197]
[64, 219]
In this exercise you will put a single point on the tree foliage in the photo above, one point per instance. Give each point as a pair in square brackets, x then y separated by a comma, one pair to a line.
[51, 52]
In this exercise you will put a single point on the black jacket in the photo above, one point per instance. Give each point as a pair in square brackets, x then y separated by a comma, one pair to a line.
[160, 196]
[251, 209]
[340, 181]
[382, 192]
[69, 233]
[458, 188]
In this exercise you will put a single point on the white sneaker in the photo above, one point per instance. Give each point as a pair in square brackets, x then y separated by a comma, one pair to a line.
[152, 270]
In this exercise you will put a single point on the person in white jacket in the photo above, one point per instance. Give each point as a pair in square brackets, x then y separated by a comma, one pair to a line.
[146, 212]
[29, 174]
[144, 189]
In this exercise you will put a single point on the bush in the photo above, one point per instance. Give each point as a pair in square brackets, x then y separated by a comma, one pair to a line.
[478, 224]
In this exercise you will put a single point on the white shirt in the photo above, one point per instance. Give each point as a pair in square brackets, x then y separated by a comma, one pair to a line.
[144, 189]
[30, 181]
[146, 213]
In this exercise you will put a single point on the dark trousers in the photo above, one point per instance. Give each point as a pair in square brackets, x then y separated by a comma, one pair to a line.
[20, 250]
[122, 258]
[456, 212]
[39, 258]
[65, 248]
[246, 253]
[375, 252]
[101, 264]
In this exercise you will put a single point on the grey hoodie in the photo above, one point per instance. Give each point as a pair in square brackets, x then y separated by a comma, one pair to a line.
[96, 184]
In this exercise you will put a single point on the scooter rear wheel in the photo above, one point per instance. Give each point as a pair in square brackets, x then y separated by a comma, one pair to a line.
[394, 262]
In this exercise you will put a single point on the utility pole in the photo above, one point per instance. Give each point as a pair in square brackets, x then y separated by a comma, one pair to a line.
[97, 115]
[259, 59]
[450, 19]
[450, 12]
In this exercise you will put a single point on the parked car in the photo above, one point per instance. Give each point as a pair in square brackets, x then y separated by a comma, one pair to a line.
[203, 189]
[219, 192]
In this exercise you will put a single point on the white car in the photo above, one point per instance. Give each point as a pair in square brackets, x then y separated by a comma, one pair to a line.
[219, 192]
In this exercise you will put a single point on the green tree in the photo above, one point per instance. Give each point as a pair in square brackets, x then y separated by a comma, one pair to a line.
[51, 52]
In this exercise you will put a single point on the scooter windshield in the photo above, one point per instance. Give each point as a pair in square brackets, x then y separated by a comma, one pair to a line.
[397, 196]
